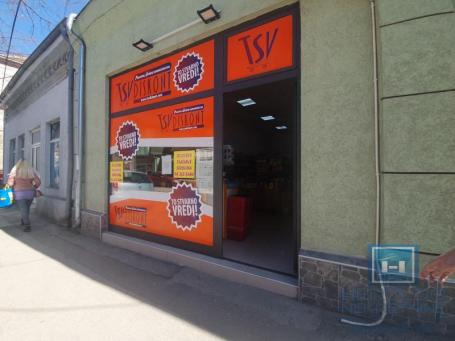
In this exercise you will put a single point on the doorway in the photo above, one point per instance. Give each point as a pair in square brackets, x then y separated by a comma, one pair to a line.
[260, 175]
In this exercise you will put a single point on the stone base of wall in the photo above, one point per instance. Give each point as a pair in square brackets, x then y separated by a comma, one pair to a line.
[93, 223]
[53, 209]
[341, 284]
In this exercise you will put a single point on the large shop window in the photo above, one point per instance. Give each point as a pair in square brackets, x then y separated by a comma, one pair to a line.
[161, 157]
[54, 157]
[161, 171]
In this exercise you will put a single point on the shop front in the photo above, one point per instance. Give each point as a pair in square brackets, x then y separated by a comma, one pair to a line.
[272, 139]
[203, 145]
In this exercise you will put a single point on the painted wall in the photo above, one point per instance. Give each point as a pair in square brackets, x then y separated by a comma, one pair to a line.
[417, 53]
[338, 177]
[50, 106]
[337, 124]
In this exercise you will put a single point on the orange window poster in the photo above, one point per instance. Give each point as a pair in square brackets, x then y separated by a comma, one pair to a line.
[183, 73]
[186, 124]
[151, 199]
[261, 49]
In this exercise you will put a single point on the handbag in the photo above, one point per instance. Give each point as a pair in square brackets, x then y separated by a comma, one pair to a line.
[6, 197]
[38, 193]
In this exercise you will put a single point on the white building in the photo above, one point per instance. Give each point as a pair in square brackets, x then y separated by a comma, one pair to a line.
[37, 104]
[8, 68]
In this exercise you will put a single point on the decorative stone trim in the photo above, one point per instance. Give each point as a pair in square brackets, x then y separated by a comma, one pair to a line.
[93, 223]
[345, 288]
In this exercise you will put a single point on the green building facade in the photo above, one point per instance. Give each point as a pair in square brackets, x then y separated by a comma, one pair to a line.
[416, 102]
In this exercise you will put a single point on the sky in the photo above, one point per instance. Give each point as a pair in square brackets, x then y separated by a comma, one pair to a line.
[35, 21]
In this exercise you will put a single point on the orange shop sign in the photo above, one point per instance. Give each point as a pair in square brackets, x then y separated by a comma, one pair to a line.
[189, 124]
[261, 49]
[183, 73]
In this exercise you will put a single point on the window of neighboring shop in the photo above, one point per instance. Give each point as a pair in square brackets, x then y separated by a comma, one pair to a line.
[12, 153]
[21, 143]
[36, 147]
[54, 157]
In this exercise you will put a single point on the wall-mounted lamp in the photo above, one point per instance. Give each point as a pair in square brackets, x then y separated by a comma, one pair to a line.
[208, 14]
[143, 45]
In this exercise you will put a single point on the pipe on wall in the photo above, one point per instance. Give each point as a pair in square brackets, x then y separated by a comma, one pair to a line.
[70, 127]
[377, 167]
[81, 107]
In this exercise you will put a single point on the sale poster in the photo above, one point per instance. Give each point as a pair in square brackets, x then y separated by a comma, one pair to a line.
[116, 171]
[185, 164]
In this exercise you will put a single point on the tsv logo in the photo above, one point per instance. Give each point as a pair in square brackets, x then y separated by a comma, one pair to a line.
[259, 47]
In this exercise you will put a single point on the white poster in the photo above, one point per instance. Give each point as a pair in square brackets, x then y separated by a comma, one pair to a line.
[166, 164]
[204, 170]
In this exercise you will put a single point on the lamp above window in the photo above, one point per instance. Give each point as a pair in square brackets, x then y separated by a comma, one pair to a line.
[208, 14]
[143, 45]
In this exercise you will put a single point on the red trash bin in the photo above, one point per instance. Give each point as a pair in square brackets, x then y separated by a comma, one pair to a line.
[237, 217]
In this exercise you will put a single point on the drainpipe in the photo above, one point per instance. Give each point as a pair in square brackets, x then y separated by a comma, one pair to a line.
[81, 92]
[70, 126]
[377, 168]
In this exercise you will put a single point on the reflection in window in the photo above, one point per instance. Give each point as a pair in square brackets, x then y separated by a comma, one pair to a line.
[153, 169]
[12, 153]
[36, 147]
[54, 148]
[21, 143]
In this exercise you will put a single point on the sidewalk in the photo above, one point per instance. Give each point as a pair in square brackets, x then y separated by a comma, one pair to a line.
[59, 285]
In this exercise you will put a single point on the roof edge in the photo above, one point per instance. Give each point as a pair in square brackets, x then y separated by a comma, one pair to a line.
[51, 37]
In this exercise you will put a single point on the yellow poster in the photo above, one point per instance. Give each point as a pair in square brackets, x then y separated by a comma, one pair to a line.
[185, 164]
[116, 171]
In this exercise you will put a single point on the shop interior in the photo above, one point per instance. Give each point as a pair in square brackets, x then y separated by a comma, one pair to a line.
[259, 170]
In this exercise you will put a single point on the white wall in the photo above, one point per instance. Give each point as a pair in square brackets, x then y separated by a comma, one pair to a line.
[50, 107]
[10, 71]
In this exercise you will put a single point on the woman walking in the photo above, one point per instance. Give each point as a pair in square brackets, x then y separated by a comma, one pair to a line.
[24, 180]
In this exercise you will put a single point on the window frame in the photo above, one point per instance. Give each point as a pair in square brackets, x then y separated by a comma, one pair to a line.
[53, 141]
[35, 148]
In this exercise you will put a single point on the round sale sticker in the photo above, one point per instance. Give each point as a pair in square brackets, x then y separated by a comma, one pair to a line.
[128, 137]
[188, 72]
[184, 206]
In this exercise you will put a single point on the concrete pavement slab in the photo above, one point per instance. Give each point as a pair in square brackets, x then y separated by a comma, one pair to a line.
[56, 284]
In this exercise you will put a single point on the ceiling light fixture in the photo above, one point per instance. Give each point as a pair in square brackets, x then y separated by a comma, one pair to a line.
[281, 127]
[208, 14]
[143, 45]
[246, 102]
[267, 118]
